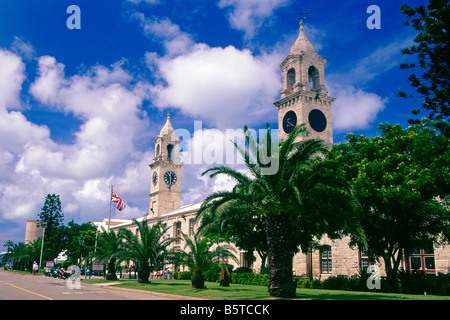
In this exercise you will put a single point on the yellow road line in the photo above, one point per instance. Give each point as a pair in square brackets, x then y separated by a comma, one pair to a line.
[40, 295]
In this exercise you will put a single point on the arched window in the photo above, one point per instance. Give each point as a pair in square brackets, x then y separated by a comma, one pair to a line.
[290, 79]
[313, 78]
[169, 152]
[326, 262]
[157, 150]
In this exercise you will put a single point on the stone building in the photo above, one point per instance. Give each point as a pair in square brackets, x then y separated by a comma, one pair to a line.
[33, 231]
[304, 99]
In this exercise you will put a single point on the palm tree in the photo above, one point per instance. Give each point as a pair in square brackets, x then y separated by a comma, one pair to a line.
[108, 250]
[201, 256]
[147, 248]
[21, 255]
[302, 200]
[237, 222]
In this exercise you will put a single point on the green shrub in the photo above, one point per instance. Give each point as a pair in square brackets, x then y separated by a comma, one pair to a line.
[303, 283]
[336, 283]
[316, 284]
[183, 275]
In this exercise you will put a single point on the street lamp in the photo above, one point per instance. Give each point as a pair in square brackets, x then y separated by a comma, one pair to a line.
[81, 242]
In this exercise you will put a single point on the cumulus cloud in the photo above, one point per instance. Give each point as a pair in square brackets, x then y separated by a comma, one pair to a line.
[174, 40]
[103, 151]
[249, 15]
[355, 108]
[205, 149]
[11, 78]
[225, 86]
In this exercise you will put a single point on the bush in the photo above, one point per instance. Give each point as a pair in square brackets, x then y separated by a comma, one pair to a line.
[336, 283]
[303, 283]
[183, 275]
[243, 270]
[316, 284]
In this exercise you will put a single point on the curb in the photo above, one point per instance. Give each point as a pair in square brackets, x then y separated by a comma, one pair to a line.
[165, 295]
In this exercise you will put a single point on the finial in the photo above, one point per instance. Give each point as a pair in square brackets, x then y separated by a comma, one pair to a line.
[168, 115]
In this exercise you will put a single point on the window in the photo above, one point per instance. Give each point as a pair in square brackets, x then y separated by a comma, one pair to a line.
[191, 227]
[326, 263]
[313, 78]
[177, 232]
[169, 152]
[364, 261]
[290, 79]
[422, 259]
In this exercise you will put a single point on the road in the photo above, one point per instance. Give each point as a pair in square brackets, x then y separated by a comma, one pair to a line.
[15, 286]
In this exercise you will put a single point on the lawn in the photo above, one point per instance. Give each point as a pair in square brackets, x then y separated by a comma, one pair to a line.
[248, 292]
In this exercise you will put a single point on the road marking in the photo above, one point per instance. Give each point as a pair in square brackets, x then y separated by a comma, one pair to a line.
[40, 295]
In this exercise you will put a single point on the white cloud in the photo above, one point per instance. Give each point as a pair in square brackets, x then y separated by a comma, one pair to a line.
[12, 76]
[249, 15]
[225, 86]
[23, 48]
[103, 151]
[355, 108]
[174, 40]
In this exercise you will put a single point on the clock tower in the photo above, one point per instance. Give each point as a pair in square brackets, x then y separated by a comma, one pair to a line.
[304, 98]
[165, 184]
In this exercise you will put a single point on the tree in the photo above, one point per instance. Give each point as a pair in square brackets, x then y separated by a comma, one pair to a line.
[21, 255]
[51, 218]
[148, 248]
[303, 200]
[433, 53]
[399, 177]
[202, 257]
[239, 223]
[8, 244]
[70, 236]
[109, 251]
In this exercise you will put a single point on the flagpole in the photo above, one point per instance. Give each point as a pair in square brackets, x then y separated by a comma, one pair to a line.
[109, 218]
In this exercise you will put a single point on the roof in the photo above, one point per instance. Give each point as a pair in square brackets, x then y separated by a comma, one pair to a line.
[187, 209]
[167, 129]
[302, 43]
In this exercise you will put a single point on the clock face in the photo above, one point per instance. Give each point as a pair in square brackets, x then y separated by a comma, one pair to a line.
[155, 178]
[289, 121]
[170, 178]
[317, 120]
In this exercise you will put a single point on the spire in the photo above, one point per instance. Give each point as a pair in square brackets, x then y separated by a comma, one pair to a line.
[167, 129]
[302, 43]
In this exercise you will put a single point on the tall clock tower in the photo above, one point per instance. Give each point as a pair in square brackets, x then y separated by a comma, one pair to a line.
[165, 184]
[304, 98]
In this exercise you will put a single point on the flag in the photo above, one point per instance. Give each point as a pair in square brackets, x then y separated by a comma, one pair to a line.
[115, 198]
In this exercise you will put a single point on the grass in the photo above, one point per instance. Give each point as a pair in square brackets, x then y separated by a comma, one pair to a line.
[249, 292]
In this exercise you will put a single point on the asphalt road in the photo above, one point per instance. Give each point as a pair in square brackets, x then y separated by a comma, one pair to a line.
[15, 286]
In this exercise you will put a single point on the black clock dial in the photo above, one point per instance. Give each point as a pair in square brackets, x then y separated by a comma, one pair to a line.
[170, 178]
[155, 178]
[289, 121]
[317, 120]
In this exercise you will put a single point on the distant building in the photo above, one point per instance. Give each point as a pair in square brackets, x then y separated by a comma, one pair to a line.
[33, 231]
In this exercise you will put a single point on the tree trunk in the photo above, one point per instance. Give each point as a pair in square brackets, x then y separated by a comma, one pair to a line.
[280, 255]
[143, 273]
[111, 270]
[198, 280]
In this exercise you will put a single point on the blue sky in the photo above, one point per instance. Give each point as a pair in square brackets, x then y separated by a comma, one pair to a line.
[79, 109]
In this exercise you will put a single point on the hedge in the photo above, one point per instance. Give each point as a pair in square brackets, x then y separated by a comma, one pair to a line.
[408, 283]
